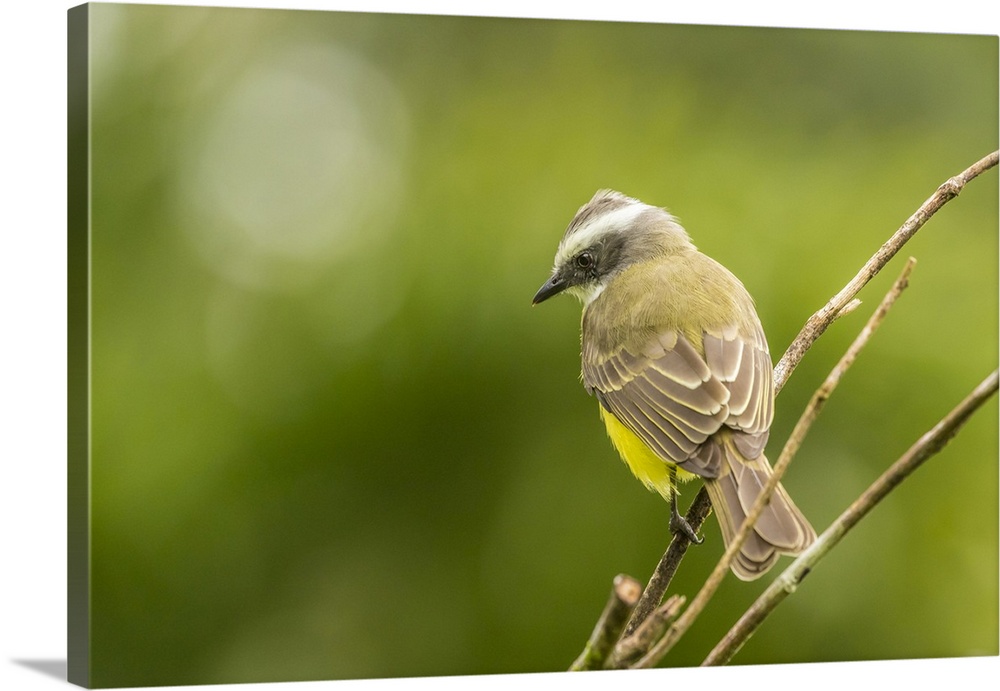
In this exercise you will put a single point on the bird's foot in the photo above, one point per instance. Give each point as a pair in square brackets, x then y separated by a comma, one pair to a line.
[679, 524]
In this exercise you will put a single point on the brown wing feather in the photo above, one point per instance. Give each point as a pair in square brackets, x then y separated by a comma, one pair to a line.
[675, 394]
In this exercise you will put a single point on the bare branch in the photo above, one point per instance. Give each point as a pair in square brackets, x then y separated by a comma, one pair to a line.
[924, 448]
[699, 510]
[791, 447]
[652, 627]
[624, 595]
[819, 321]
[823, 393]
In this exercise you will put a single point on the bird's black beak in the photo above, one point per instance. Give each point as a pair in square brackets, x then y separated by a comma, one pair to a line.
[553, 286]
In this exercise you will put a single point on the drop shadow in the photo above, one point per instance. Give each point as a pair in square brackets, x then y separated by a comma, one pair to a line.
[52, 668]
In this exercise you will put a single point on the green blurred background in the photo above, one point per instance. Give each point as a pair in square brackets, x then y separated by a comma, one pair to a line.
[332, 439]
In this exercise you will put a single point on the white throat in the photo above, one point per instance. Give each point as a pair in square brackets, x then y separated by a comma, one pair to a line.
[587, 293]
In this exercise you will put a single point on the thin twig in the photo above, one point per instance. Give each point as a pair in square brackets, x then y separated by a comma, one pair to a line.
[680, 627]
[847, 309]
[624, 595]
[927, 446]
[819, 321]
[652, 627]
[664, 572]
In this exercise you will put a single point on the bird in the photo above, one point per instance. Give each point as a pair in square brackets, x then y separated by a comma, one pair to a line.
[674, 351]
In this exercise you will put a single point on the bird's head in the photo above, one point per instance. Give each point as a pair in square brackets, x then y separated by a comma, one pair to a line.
[608, 234]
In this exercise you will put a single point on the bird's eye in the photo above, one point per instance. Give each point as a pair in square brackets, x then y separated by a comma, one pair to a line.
[584, 260]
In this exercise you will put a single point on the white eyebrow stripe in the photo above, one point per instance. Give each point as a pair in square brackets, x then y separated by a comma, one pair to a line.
[589, 234]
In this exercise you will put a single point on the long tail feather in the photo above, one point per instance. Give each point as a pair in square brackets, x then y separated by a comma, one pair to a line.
[781, 528]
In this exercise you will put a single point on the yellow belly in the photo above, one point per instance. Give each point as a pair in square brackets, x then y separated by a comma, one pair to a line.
[653, 471]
